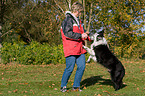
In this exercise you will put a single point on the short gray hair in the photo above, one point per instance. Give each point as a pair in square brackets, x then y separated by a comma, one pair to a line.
[77, 6]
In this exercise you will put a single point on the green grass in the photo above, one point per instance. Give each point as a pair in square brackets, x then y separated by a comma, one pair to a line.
[44, 80]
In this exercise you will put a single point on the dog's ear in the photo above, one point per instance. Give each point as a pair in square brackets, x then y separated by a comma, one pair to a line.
[101, 33]
[91, 35]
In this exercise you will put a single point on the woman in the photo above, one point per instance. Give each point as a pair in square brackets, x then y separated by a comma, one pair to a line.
[73, 36]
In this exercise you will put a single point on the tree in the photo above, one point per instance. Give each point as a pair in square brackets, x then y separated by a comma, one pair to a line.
[31, 20]
[119, 21]
[65, 5]
[10, 10]
[2, 8]
[40, 20]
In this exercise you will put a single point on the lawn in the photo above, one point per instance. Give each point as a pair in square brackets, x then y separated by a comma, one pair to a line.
[44, 80]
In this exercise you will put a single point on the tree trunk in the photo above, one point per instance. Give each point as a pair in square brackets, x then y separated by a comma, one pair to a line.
[85, 24]
[84, 14]
[69, 4]
[2, 8]
[81, 1]
[0, 35]
[90, 17]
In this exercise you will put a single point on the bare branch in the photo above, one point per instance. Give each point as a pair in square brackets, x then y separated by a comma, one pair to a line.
[84, 5]
[59, 6]
[28, 35]
[69, 3]
[90, 16]
[6, 33]
[57, 9]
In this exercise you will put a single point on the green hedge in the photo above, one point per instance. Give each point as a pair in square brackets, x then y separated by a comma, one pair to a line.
[35, 53]
[39, 54]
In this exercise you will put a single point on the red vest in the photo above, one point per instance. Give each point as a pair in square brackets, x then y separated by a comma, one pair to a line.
[73, 47]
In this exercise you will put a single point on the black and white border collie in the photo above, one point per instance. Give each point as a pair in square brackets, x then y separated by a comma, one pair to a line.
[100, 53]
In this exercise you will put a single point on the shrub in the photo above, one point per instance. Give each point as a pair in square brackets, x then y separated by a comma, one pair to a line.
[134, 50]
[35, 53]
[11, 52]
[38, 54]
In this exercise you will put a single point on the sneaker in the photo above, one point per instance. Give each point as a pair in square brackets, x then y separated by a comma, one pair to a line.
[77, 89]
[63, 89]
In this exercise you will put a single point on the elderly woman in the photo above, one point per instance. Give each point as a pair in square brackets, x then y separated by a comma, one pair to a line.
[73, 37]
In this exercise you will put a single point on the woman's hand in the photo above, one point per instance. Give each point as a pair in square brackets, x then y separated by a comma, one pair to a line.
[84, 35]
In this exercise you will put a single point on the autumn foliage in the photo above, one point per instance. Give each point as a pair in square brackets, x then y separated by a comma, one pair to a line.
[40, 20]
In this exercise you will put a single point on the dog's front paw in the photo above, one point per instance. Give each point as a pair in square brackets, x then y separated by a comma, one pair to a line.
[84, 47]
[88, 61]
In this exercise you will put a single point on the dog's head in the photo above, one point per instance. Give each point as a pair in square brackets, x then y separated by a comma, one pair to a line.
[97, 36]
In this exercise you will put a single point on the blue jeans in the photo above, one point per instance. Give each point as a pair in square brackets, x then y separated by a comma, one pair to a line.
[70, 63]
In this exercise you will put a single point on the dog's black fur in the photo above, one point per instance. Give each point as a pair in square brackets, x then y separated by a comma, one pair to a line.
[106, 58]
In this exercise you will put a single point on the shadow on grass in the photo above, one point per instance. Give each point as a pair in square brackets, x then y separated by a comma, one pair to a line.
[97, 79]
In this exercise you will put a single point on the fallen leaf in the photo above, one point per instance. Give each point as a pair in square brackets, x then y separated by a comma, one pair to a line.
[84, 88]
[55, 88]
[98, 95]
[26, 83]
[53, 84]
[15, 90]
[142, 71]
[32, 91]
[106, 92]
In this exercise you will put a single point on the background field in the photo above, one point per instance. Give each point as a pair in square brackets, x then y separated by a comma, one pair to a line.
[44, 80]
